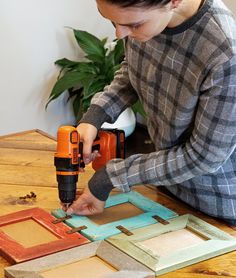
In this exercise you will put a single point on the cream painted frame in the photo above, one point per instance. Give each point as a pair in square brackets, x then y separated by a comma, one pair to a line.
[126, 266]
[217, 243]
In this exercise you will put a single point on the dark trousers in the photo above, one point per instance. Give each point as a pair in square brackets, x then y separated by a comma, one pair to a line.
[230, 222]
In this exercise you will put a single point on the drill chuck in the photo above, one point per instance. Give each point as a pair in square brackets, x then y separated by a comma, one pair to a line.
[67, 188]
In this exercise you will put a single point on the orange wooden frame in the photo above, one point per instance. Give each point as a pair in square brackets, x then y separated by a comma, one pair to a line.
[14, 252]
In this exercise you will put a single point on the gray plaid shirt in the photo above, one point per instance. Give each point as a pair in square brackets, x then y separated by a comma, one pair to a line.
[186, 79]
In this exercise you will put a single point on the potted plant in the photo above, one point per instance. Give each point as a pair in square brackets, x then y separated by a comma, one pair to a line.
[83, 79]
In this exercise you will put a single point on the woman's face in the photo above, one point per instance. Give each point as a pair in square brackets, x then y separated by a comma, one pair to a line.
[139, 23]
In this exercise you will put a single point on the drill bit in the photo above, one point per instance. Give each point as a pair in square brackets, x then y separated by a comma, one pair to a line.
[66, 206]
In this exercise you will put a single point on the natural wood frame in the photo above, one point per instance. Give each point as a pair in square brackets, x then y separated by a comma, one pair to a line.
[29, 131]
[15, 252]
[126, 266]
[5, 143]
[100, 232]
[218, 243]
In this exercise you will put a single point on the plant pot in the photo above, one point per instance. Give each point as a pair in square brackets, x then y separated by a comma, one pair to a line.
[126, 121]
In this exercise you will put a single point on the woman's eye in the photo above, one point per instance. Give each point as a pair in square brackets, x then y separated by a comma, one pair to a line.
[134, 27]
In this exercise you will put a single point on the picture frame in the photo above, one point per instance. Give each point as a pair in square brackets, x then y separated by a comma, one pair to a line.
[212, 242]
[126, 266]
[15, 252]
[95, 232]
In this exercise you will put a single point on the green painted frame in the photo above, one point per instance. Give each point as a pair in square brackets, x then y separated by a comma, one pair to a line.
[217, 243]
[126, 266]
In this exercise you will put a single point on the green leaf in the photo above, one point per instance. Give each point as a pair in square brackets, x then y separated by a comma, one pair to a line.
[85, 104]
[66, 63]
[104, 41]
[77, 107]
[95, 87]
[90, 44]
[119, 52]
[69, 80]
[95, 58]
[73, 93]
[116, 68]
[111, 68]
[90, 68]
[138, 108]
[110, 61]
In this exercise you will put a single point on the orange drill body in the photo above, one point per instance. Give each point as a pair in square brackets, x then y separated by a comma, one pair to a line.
[68, 157]
[66, 161]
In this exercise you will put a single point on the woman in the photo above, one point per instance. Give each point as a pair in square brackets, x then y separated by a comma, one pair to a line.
[181, 63]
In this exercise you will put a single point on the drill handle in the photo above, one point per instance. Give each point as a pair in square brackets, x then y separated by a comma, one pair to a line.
[110, 143]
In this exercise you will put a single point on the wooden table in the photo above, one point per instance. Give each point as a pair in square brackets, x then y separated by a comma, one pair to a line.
[26, 165]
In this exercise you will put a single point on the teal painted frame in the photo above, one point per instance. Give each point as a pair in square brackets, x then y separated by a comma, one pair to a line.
[217, 243]
[99, 232]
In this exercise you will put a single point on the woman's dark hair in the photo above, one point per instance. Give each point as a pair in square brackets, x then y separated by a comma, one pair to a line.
[138, 3]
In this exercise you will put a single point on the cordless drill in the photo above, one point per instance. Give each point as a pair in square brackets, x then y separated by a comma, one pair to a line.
[69, 157]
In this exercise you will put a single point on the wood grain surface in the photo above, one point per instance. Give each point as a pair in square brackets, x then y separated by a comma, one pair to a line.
[26, 165]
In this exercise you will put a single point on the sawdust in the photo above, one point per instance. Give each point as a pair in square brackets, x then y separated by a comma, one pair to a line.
[28, 199]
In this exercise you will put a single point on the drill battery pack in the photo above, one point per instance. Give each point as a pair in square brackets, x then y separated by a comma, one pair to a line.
[110, 143]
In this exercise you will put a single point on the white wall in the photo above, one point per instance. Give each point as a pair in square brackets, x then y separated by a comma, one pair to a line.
[32, 37]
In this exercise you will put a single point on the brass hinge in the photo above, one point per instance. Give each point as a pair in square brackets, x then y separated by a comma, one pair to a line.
[62, 219]
[77, 229]
[124, 230]
[161, 220]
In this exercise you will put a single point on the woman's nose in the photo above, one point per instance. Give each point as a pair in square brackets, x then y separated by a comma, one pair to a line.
[122, 31]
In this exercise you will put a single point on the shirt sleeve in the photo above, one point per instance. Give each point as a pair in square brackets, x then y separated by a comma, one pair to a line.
[210, 144]
[116, 97]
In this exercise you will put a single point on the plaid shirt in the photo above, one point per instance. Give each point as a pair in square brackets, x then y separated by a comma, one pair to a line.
[186, 79]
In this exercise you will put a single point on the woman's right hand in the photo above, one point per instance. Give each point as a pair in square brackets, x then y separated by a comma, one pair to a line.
[86, 204]
[87, 133]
